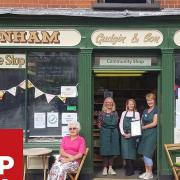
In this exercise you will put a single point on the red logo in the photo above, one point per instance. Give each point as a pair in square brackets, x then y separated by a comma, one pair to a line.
[11, 154]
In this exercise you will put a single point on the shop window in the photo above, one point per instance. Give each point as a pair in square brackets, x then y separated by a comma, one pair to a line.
[127, 4]
[12, 96]
[49, 73]
[177, 97]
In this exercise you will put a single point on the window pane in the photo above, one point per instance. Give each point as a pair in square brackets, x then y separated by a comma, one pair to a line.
[12, 107]
[177, 93]
[48, 71]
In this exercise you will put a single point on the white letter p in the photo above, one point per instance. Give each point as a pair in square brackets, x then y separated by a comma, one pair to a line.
[6, 166]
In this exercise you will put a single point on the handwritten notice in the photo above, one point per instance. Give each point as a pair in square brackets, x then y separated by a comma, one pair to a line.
[39, 120]
[66, 117]
[52, 119]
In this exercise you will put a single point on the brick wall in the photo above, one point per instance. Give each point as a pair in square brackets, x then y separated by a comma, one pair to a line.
[170, 3]
[47, 3]
[70, 3]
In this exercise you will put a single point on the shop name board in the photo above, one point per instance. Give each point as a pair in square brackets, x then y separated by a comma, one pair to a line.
[127, 38]
[11, 61]
[36, 37]
[125, 61]
[177, 38]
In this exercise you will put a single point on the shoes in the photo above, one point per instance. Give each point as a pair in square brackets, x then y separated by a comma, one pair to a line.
[104, 173]
[142, 175]
[111, 172]
[148, 176]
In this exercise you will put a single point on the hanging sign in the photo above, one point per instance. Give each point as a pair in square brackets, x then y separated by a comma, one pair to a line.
[125, 61]
[127, 38]
[11, 61]
[39, 37]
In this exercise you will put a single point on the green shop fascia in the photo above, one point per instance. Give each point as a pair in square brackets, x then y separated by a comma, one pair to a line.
[51, 64]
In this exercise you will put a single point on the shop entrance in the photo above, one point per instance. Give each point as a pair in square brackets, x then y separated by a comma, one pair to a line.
[121, 86]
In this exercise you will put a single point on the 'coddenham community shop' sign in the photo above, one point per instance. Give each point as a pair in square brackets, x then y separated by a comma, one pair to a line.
[39, 37]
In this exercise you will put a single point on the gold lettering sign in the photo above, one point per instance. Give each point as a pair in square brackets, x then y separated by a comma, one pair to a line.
[126, 38]
[8, 61]
[44, 37]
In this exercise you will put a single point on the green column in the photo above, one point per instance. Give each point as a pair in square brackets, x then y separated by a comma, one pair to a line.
[85, 102]
[166, 124]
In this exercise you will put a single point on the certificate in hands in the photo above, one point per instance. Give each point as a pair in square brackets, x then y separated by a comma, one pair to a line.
[135, 127]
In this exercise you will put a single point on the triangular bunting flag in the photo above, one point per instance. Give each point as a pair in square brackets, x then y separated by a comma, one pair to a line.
[37, 92]
[30, 84]
[23, 84]
[2, 92]
[49, 97]
[63, 99]
[12, 91]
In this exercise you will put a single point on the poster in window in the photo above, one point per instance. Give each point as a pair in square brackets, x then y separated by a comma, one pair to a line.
[66, 117]
[52, 119]
[65, 131]
[40, 120]
[68, 91]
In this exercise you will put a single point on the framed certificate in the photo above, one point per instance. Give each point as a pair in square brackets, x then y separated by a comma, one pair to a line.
[136, 128]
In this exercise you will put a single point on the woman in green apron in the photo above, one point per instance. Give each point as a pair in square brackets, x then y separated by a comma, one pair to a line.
[128, 143]
[148, 140]
[109, 136]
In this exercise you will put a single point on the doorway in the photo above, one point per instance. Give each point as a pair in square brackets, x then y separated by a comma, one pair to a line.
[121, 87]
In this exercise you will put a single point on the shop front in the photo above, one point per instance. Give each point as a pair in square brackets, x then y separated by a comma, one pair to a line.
[51, 75]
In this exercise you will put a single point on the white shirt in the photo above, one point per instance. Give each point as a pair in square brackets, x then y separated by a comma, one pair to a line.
[129, 114]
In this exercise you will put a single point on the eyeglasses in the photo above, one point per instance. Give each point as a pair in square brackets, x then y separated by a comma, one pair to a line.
[72, 129]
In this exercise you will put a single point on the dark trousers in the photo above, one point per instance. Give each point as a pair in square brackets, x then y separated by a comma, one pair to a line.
[129, 167]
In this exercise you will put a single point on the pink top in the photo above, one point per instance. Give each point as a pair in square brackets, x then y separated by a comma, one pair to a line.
[75, 146]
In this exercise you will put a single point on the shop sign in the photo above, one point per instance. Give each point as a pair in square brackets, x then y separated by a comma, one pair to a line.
[10, 61]
[125, 61]
[127, 38]
[177, 38]
[39, 37]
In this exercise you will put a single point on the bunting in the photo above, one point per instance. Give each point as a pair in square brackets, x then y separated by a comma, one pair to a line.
[37, 92]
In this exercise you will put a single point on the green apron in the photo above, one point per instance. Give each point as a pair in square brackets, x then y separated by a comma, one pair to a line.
[128, 146]
[148, 139]
[109, 136]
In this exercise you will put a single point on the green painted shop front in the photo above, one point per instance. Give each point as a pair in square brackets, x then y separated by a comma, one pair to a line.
[165, 53]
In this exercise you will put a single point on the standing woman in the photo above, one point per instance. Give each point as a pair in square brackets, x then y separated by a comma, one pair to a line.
[109, 136]
[149, 136]
[128, 143]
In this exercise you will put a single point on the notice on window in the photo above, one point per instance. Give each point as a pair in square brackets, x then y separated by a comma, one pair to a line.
[52, 119]
[66, 117]
[178, 112]
[39, 120]
[64, 131]
[136, 128]
[68, 91]
[176, 135]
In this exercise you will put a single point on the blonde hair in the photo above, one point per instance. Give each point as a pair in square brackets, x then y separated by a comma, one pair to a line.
[150, 96]
[134, 102]
[113, 104]
[75, 124]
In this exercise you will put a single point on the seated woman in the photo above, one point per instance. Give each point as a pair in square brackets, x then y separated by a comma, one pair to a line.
[72, 149]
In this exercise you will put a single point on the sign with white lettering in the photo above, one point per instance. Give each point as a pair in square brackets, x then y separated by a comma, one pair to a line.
[10, 61]
[127, 38]
[125, 61]
[39, 37]
[177, 38]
